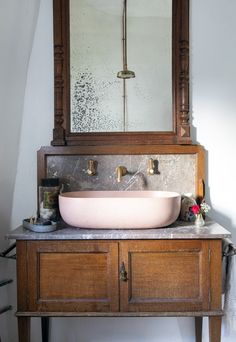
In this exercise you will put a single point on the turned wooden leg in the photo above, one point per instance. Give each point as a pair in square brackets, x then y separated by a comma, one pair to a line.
[24, 329]
[198, 329]
[215, 328]
[45, 329]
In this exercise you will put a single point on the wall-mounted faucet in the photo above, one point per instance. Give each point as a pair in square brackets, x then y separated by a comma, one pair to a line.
[120, 172]
[92, 167]
[151, 167]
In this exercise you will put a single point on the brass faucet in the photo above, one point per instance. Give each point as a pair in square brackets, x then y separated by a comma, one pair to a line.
[120, 172]
[151, 167]
[92, 166]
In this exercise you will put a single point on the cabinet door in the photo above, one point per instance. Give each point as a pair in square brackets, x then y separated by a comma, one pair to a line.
[165, 275]
[73, 276]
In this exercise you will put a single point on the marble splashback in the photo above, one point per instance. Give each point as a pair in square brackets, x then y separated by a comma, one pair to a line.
[176, 172]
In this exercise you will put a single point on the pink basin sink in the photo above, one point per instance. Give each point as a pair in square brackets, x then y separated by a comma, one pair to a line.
[119, 209]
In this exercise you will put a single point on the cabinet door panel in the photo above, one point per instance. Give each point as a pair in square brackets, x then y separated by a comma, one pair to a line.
[165, 276]
[73, 276]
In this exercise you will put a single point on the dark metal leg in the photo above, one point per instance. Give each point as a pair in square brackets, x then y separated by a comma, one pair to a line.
[45, 329]
[198, 329]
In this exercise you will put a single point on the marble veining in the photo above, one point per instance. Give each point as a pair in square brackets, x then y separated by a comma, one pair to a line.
[176, 172]
[179, 230]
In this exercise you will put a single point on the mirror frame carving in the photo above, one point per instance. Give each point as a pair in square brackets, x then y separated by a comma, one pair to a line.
[180, 87]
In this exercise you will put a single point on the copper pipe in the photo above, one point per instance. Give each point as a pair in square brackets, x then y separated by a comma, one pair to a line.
[124, 20]
[125, 73]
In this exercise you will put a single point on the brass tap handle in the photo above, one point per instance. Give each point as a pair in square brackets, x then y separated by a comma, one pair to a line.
[120, 172]
[123, 273]
[151, 167]
[92, 167]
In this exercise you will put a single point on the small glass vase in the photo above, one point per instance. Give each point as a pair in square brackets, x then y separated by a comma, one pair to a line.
[199, 222]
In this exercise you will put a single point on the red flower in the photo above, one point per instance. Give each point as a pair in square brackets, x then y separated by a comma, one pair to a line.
[195, 209]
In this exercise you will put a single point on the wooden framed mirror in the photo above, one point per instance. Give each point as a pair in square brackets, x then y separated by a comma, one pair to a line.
[72, 88]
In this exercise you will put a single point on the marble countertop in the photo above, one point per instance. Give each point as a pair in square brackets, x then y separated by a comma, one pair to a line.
[179, 230]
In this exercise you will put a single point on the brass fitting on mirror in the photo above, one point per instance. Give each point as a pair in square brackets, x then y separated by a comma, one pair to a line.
[92, 167]
[120, 172]
[151, 167]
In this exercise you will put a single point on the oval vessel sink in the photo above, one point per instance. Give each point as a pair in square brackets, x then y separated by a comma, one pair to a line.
[119, 209]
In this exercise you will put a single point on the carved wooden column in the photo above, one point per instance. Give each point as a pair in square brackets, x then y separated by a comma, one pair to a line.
[60, 71]
[183, 96]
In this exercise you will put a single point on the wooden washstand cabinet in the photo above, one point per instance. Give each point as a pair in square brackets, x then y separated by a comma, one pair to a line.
[149, 273]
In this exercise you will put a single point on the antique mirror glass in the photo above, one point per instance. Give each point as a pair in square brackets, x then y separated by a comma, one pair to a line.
[102, 102]
[121, 72]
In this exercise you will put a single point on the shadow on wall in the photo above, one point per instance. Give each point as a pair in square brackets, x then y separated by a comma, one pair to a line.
[125, 329]
[225, 221]
[7, 266]
[13, 70]
[8, 292]
[6, 197]
[216, 215]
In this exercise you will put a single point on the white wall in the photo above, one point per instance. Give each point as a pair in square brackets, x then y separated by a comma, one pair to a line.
[213, 78]
[17, 22]
[214, 101]
[213, 83]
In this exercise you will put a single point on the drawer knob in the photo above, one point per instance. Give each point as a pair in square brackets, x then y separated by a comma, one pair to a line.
[123, 273]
